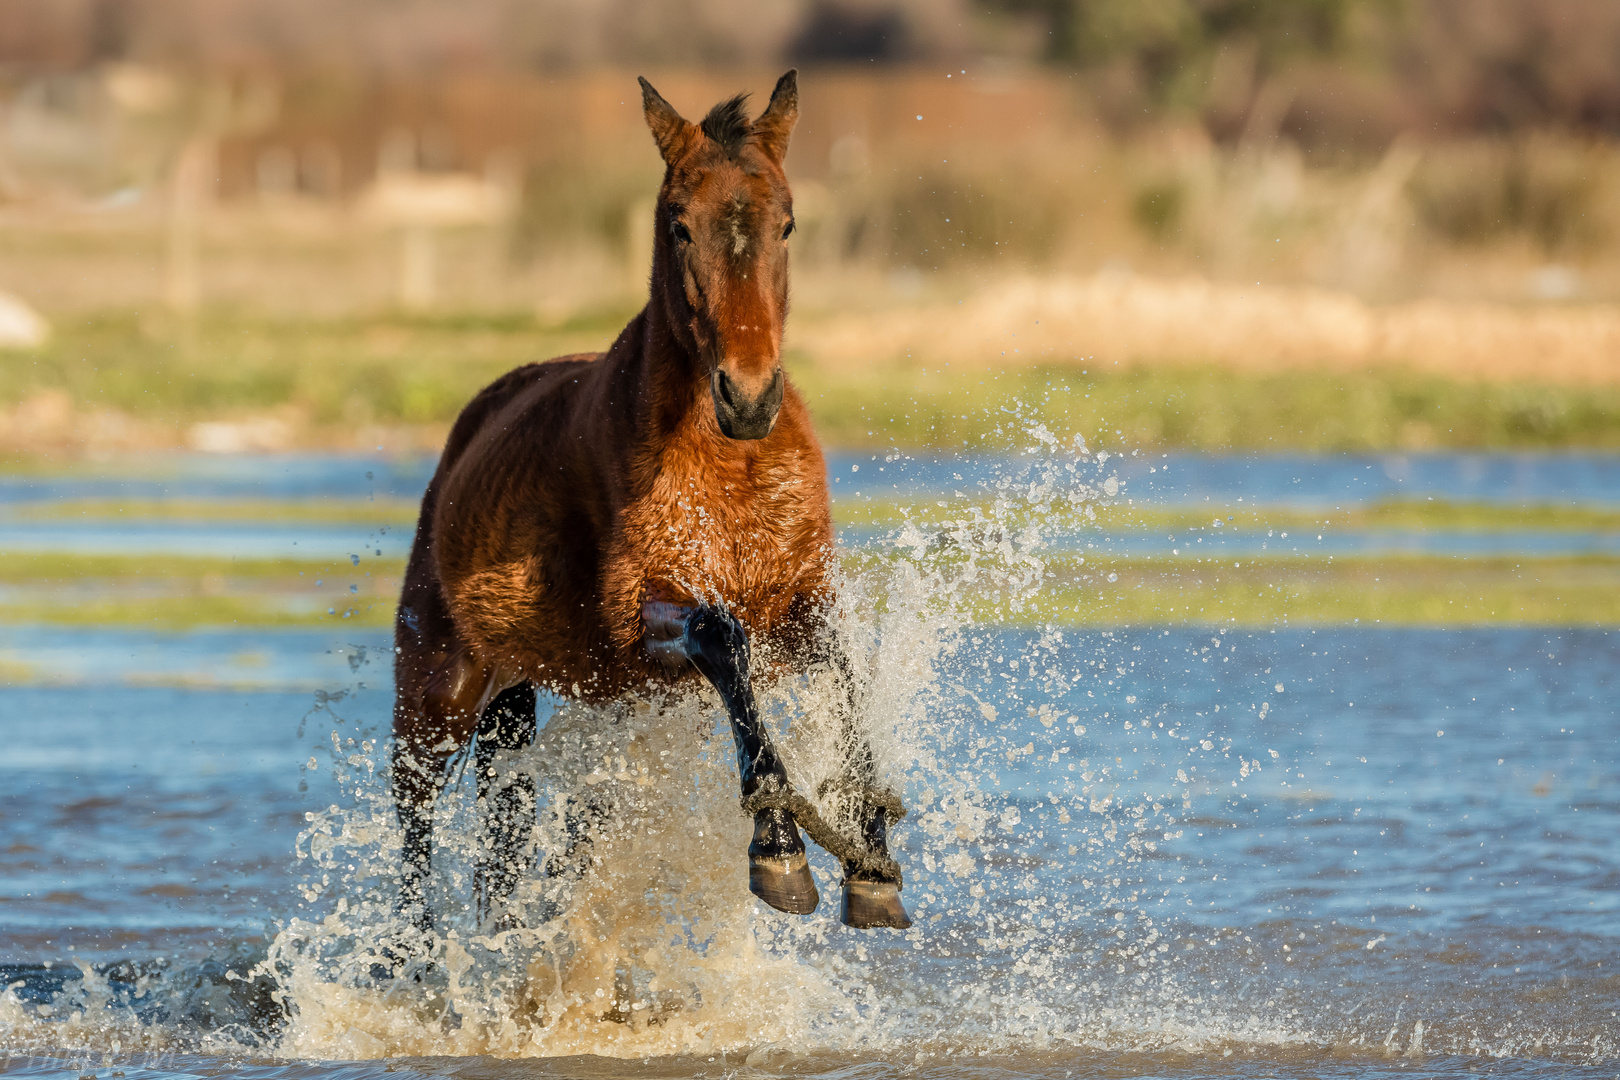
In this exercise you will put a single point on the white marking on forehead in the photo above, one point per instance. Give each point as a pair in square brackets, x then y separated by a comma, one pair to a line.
[738, 217]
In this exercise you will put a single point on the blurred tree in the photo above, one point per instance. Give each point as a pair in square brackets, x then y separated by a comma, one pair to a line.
[1173, 45]
[1459, 65]
[1438, 65]
[1498, 65]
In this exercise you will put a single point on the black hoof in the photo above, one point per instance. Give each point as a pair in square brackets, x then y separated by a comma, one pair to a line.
[872, 904]
[784, 883]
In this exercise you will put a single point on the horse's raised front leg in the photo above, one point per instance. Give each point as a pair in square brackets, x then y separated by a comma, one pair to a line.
[717, 645]
[871, 876]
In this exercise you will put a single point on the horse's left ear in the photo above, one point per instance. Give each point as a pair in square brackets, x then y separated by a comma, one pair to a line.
[775, 124]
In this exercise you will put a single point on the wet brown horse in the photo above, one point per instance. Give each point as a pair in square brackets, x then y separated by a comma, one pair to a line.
[605, 521]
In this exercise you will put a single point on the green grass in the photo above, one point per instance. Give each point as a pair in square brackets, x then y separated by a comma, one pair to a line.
[1389, 514]
[191, 612]
[396, 369]
[1433, 592]
[1387, 591]
[336, 374]
[173, 592]
[1201, 408]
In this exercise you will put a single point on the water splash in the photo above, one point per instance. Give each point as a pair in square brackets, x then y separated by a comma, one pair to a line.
[659, 949]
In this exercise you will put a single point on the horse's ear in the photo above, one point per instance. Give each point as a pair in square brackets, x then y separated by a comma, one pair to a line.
[775, 124]
[670, 130]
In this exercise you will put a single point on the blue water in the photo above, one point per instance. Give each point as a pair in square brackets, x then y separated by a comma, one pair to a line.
[205, 476]
[1296, 480]
[203, 539]
[1283, 480]
[1204, 852]
[1435, 833]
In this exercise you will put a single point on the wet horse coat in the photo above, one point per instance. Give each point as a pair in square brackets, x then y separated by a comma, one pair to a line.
[602, 521]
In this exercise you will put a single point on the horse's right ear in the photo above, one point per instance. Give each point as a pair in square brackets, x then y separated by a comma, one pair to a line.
[670, 130]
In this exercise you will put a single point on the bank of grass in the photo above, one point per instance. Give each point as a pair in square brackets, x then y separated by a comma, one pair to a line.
[1389, 514]
[1391, 591]
[341, 371]
[330, 377]
[1115, 515]
[191, 612]
[1427, 592]
[1110, 515]
[181, 592]
[178, 593]
[1202, 408]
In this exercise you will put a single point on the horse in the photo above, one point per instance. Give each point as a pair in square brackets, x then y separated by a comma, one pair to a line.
[640, 518]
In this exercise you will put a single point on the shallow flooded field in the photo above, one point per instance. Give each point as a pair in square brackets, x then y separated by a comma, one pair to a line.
[1167, 848]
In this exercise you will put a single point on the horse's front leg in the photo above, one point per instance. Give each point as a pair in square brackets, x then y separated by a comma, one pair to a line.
[507, 812]
[437, 710]
[871, 876]
[717, 645]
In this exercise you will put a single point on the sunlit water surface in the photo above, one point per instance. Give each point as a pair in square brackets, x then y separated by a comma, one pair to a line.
[1169, 852]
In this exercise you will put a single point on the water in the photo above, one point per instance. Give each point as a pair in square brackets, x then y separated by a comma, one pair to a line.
[1278, 480]
[1180, 478]
[202, 476]
[1178, 852]
[205, 539]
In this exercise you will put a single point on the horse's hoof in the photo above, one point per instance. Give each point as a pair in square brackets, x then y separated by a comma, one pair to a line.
[783, 882]
[872, 904]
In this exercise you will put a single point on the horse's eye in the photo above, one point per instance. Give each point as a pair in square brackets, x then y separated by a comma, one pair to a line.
[788, 231]
[679, 231]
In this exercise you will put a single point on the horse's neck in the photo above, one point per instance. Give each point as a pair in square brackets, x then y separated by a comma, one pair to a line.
[669, 378]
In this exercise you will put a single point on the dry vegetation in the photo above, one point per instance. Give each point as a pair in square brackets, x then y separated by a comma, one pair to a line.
[1204, 254]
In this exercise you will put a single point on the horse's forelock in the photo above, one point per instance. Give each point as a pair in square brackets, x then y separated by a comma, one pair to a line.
[727, 125]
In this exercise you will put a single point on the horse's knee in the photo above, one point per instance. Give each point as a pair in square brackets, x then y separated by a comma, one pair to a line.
[436, 712]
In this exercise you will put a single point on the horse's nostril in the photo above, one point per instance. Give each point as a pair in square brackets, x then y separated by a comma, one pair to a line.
[725, 390]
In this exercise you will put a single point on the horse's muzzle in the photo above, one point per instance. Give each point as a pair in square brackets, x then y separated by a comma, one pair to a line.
[742, 416]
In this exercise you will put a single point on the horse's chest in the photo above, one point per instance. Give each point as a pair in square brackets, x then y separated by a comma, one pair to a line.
[711, 539]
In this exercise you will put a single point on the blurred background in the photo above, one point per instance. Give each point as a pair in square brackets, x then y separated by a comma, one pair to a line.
[281, 224]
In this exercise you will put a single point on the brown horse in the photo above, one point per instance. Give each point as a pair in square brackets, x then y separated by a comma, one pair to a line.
[605, 521]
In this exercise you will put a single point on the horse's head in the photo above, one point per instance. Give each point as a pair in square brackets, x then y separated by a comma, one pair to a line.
[720, 253]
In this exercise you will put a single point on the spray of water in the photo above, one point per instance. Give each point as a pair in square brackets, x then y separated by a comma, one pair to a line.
[658, 948]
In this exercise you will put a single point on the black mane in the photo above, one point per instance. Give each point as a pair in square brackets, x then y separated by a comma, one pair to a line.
[728, 126]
